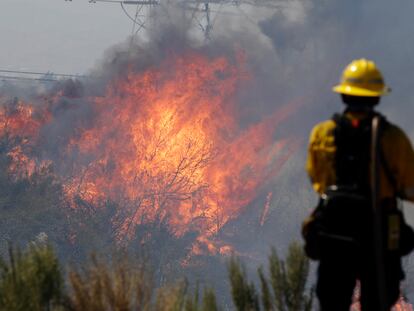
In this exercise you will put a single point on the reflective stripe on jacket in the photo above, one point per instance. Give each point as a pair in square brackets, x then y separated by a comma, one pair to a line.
[396, 148]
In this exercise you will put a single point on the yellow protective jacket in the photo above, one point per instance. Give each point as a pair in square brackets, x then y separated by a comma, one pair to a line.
[397, 152]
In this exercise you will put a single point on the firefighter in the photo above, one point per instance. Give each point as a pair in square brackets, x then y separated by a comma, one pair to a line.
[340, 167]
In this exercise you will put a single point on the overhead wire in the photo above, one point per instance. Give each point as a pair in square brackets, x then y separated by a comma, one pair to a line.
[19, 75]
[131, 42]
[42, 73]
[129, 16]
[3, 78]
[141, 24]
[119, 1]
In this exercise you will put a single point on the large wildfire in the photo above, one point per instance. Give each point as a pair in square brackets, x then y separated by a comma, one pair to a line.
[164, 143]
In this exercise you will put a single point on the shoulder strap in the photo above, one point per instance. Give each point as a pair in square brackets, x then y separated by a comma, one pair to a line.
[378, 244]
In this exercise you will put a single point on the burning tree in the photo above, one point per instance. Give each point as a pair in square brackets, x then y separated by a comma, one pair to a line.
[163, 145]
[31, 197]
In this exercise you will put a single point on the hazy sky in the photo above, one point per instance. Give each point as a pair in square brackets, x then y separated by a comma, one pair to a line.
[57, 35]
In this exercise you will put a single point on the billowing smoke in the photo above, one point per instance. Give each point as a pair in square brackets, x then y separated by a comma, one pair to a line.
[324, 36]
[170, 129]
[284, 64]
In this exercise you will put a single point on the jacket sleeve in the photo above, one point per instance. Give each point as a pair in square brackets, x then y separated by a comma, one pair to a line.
[321, 150]
[310, 161]
[398, 149]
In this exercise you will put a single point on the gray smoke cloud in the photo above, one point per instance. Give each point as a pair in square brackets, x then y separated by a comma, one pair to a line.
[316, 47]
[299, 51]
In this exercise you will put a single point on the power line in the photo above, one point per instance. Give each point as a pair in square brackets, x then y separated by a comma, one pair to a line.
[134, 20]
[143, 2]
[42, 73]
[16, 75]
[4, 78]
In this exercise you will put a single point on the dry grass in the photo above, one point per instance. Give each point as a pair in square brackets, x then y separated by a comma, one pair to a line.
[119, 286]
[32, 280]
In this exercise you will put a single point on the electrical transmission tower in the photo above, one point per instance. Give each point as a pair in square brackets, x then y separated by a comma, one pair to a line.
[204, 12]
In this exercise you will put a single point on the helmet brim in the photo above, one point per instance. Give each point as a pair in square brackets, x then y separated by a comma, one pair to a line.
[358, 91]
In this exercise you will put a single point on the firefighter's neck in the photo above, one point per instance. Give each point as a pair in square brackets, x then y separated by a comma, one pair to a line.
[359, 112]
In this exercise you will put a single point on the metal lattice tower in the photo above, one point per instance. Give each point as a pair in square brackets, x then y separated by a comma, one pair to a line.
[202, 11]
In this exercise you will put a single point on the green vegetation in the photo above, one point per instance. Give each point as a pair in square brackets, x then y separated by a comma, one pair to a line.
[34, 280]
[31, 280]
[288, 282]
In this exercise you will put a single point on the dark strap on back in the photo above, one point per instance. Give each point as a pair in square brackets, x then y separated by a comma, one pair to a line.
[352, 157]
[340, 120]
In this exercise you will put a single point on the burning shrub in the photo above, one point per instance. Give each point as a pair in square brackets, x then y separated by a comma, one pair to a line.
[163, 143]
[30, 201]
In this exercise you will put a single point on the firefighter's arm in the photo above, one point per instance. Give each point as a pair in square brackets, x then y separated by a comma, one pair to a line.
[320, 150]
[400, 151]
[310, 161]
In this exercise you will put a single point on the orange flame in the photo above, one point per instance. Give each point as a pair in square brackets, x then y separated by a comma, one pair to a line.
[401, 304]
[19, 127]
[173, 147]
[165, 144]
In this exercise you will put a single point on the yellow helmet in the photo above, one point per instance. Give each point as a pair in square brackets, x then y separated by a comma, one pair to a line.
[362, 78]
